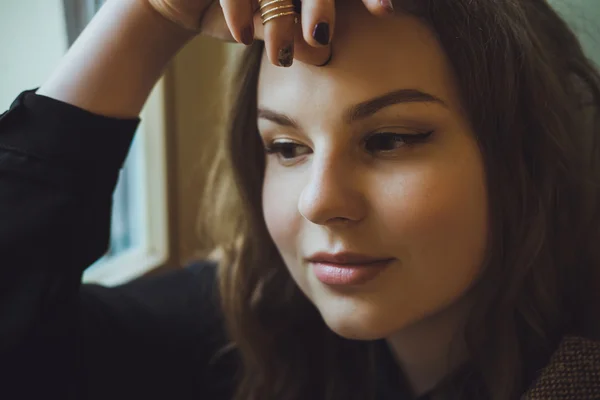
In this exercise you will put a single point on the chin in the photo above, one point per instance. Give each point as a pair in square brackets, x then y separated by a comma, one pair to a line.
[359, 323]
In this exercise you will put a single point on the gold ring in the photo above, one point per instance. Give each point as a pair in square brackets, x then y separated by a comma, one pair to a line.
[280, 9]
[271, 2]
[283, 14]
[263, 15]
[267, 11]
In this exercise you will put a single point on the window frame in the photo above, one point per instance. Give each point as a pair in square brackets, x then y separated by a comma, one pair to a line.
[153, 251]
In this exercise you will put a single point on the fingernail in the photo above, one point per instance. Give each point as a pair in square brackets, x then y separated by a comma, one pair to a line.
[286, 55]
[387, 4]
[248, 35]
[321, 33]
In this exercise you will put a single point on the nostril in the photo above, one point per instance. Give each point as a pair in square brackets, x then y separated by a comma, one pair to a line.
[341, 220]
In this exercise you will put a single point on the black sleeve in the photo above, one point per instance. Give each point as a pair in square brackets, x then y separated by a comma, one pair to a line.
[158, 338]
[153, 338]
[58, 168]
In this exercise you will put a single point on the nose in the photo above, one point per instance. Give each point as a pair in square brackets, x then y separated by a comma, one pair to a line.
[334, 194]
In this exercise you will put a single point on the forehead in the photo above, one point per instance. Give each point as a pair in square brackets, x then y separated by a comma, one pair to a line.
[372, 56]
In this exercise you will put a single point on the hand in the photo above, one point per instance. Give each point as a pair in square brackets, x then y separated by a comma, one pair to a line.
[239, 20]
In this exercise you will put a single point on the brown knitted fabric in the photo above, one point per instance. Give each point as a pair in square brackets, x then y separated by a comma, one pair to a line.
[572, 374]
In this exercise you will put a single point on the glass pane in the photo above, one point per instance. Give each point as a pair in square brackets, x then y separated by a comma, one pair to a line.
[127, 227]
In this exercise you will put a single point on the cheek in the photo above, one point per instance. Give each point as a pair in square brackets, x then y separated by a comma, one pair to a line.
[438, 219]
[280, 198]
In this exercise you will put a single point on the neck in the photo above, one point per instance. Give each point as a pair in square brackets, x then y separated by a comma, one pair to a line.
[430, 349]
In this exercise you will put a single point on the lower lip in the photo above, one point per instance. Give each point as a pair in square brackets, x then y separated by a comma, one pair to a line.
[348, 274]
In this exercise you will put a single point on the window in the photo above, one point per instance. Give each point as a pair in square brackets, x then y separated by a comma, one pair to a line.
[138, 240]
[139, 223]
[139, 229]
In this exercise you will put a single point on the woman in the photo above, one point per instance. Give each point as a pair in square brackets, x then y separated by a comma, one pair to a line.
[419, 216]
[435, 185]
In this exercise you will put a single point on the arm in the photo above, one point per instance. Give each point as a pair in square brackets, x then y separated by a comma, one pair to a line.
[60, 155]
[58, 167]
[114, 64]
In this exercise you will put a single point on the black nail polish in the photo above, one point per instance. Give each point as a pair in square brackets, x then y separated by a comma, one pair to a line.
[247, 36]
[286, 55]
[321, 33]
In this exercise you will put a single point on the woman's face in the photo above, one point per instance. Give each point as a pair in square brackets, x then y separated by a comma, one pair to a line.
[373, 156]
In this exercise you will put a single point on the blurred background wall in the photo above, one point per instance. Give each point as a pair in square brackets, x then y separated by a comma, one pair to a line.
[196, 84]
[25, 62]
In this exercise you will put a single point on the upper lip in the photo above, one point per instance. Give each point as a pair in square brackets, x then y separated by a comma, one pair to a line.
[345, 258]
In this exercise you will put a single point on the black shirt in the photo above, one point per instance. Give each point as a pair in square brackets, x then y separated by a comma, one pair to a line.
[153, 338]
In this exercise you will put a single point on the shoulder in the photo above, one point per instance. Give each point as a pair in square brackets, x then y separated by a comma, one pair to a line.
[573, 372]
[183, 300]
[163, 332]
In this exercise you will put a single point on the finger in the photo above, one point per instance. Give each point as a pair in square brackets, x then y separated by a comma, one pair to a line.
[380, 8]
[239, 18]
[318, 18]
[303, 51]
[309, 54]
[278, 19]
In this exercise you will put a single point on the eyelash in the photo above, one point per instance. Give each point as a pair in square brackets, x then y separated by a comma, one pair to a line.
[407, 139]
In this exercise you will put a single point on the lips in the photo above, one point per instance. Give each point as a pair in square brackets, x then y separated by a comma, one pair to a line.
[347, 269]
[346, 258]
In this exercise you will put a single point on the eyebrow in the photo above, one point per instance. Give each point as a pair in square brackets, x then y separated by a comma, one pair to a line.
[362, 110]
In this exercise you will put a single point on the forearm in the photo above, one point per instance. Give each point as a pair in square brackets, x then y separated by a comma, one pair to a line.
[116, 61]
[58, 169]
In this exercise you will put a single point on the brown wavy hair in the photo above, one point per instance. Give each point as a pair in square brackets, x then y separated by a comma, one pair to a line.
[532, 97]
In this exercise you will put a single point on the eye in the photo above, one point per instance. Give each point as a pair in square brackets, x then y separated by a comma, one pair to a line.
[287, 150]
[390, 141]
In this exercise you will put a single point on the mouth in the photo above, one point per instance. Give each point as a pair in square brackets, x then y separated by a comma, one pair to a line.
[347, 269]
